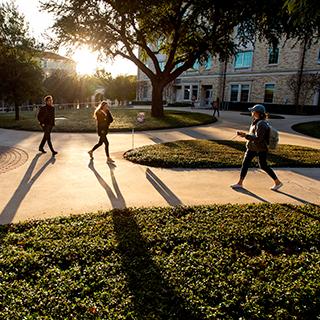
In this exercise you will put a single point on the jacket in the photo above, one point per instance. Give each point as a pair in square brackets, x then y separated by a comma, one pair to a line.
[103, 122]
[258, 136]
[46, 115]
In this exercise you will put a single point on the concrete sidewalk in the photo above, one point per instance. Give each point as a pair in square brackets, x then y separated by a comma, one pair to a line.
[71, 184]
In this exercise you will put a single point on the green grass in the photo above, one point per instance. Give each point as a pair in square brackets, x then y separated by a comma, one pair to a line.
[207, 262]
[217, 154]
[270, 116]
[124, 120]
[311, 129]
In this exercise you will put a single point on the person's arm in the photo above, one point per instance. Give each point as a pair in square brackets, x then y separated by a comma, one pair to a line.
[41, 116]
[110, 117]
[260, 134]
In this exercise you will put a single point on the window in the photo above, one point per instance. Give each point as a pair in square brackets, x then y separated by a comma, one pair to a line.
[243, 59]
[319, 56]
[244, 94]
[144, 91]
[162, 65]
[268, 92]
[186, 95]
[273, 55]
[242, 89]
[234, 92]
[203, 64]
[195, 92]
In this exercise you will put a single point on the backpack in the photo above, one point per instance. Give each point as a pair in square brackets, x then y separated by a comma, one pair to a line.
[273, 137]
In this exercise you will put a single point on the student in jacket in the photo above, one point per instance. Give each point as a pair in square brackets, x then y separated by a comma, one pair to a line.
[257, 146]
[46, 121]
[103, 118]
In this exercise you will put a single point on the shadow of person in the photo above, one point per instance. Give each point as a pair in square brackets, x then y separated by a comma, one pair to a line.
[11, 208]
[153, 296]
[294, 197]
[165, 192]
[117, 200]
[251, 194]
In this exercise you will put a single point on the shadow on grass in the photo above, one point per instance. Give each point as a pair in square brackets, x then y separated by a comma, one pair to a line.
[165, 192]
[10, 210]
[116, 199]
[153, 296]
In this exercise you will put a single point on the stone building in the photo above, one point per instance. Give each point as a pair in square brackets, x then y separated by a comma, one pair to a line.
[258, 74]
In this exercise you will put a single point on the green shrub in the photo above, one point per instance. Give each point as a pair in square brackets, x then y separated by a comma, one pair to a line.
[206, 262]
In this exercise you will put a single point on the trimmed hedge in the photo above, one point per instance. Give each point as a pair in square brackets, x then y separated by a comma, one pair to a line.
[206, 262]
[217, 154]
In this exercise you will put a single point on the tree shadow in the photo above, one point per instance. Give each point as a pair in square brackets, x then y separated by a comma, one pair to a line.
[10, 210]
[251, 194]
[153, 296]
[165, 192]
[116, 199]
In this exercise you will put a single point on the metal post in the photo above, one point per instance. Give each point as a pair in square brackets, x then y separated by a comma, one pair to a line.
[132, 138]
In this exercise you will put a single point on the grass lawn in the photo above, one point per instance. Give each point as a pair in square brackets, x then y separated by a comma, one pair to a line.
[208, 262]
[124, 120]
[217, 154]
[308, 128]
[270, 116]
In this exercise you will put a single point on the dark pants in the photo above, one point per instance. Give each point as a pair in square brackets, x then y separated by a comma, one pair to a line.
[46, 137]
[103, 140]
[248, 157]
[214, 112]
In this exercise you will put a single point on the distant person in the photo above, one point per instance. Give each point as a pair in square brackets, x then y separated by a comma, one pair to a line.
[257, 145]
[46, 120]
[216, 107]
[193, 100]
[103, 118]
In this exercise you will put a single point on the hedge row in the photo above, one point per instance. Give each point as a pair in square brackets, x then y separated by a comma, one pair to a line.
[207, 262]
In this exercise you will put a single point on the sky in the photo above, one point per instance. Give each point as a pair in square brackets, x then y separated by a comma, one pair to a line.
[40, 21]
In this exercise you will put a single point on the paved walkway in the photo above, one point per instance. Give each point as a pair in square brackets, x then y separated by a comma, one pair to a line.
[44, 187]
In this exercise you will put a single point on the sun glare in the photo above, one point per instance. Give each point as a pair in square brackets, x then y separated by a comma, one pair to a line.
[86, 60]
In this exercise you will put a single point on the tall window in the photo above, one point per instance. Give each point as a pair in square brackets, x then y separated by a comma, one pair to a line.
[319, 56]
[243, 59]
[186, 95]
[239, 92]
[269, 92]
[195, 92]
[206, 65]
[273, 55]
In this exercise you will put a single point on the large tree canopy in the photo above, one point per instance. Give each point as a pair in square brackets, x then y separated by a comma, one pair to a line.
[20, 74]
[182, 31]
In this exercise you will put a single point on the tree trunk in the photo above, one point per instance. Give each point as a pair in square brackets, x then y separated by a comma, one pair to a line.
[157, 100]
[17, 113]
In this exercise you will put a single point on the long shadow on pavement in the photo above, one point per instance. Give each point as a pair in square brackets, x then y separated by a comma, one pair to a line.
[165, 192]
[116, 199]
[295, 197]
[251, 194]
[9, 211]
[153, 296]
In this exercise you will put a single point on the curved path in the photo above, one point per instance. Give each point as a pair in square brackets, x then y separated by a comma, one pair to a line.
[45, 187]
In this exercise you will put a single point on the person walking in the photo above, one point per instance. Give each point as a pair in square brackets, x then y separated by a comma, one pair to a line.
[216, 107]
[46, 121]
[257, 146]
[103, 118]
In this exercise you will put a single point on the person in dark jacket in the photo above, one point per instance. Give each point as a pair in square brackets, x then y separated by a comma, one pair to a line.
[103, 118]
[257, 145]
[46, 121]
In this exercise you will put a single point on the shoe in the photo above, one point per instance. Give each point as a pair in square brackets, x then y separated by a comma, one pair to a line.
[236, 186]
[90, 154]
[110, 160]
[42, 150]
[54, 153]
[277, 186]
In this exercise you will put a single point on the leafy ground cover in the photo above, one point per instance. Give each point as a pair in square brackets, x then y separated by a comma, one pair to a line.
[207, 262]
[308, 128]
[81, 120]
[217, 154]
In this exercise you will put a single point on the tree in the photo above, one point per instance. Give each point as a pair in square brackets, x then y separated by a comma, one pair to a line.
[306, 86]
[122, 88]
[180, 32]
[20, 74]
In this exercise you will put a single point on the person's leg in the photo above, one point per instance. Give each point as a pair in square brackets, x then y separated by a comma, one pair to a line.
[248, 156]
[218, 111]
[100, 142]
[264, 166]
[43, 141]
[106, 143]
[48, 137]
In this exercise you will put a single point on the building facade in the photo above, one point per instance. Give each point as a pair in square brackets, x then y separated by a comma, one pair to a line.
[51, 62]
[257, 73]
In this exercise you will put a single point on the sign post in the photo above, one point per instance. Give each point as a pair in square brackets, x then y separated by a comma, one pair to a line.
[140, 120]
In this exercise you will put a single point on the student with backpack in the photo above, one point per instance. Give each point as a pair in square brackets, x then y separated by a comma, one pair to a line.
[257, 145]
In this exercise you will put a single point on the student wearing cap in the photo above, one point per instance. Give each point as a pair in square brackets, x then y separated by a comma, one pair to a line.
[257, 146]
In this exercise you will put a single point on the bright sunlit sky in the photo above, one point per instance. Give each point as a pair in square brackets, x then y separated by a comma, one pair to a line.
[40, 21]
